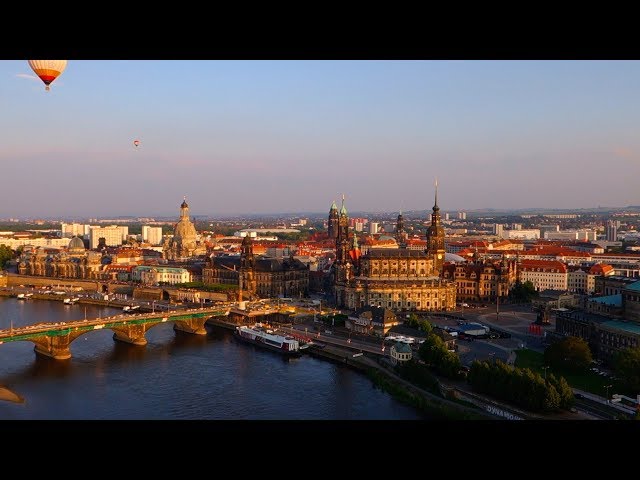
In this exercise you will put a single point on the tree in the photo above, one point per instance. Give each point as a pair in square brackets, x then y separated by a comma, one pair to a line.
[425, 326]
[627, 367]
[563, 389]
[412, 321]
[523, 292]
[430, 351]
[572, 354]
[6, 254]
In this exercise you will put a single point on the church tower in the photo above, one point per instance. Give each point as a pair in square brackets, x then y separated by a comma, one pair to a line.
[184, 210]
[435, 238]
[343, 264]
[333, 221]
[401, 235]
[184, 243]
[247, 281]
[342, 239]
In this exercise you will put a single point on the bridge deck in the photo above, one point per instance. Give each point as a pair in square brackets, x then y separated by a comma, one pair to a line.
[64, 328]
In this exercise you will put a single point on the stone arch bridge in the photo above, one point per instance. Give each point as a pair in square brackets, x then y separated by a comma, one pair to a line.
[53, 339]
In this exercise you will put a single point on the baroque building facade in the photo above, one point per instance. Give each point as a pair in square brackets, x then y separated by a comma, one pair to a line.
[73, 262]
[399, 279]
[482, 280]
[184, 243]
[258, 276]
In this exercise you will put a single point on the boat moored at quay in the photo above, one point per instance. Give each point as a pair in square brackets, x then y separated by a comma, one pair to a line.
[267, 338]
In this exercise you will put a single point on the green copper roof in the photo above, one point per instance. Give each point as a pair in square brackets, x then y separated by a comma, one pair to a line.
[334, 206]
[615, 300]
[634, 286]
[627, 327]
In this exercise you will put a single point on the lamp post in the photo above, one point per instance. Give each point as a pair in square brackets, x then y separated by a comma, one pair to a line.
[607, 387]
[545, 373]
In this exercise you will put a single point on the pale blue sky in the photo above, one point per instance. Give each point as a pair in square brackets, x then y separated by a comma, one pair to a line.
[287, 136]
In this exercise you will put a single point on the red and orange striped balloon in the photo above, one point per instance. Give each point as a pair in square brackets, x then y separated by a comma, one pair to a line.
[48, 70]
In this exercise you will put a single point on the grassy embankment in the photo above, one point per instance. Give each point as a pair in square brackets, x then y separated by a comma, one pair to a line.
[438, 410]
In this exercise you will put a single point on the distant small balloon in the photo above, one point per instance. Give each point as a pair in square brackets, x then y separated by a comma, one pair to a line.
[136, 142]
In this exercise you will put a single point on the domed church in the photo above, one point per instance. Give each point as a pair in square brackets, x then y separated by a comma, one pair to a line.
[184, 243]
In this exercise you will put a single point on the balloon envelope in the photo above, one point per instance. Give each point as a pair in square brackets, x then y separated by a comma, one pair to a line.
[48, 70]
[136, 142]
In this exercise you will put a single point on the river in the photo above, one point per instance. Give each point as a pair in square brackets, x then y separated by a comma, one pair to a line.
[176, 376]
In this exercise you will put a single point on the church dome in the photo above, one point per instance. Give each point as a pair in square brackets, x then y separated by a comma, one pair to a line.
[386, 238]
[76, 243]
[185, 229]
[452, 257]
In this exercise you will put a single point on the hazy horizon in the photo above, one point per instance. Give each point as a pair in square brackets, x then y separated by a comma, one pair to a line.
[262, 137]
[426, 213]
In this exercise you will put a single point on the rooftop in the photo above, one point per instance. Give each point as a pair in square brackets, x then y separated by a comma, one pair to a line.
[615, 300]
[626, 326]
[634, 286]
[402, 347]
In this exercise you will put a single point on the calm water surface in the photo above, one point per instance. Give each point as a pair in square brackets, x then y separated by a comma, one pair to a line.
[176, 376]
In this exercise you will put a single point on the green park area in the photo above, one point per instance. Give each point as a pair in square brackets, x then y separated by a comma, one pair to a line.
[589, 381]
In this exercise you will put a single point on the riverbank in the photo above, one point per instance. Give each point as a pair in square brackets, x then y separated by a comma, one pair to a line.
[9, 396]
[387, 381]
[7, 292]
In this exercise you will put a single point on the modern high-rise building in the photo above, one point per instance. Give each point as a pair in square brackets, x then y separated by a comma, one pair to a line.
[498, 229]
[612, 230]
[113, 235]
[548, 228]
[152, 235]
[74, 229]
[462, 215]
[373, 227]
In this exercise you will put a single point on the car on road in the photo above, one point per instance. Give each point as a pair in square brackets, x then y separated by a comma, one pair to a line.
[579, 395]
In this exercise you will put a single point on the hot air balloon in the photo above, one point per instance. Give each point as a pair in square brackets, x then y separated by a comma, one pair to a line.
[136, 142]
[48, 70]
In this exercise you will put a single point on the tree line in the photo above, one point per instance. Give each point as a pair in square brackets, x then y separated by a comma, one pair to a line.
[521, 386]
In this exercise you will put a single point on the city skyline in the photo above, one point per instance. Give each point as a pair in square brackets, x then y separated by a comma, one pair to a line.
[261, 137]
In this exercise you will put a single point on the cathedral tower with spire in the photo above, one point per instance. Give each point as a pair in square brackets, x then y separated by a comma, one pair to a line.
[398, 279]
[401, 235]
[342, 238]
[435, 237]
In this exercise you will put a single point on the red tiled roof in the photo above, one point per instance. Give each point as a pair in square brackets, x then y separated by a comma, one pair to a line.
[601, 269]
